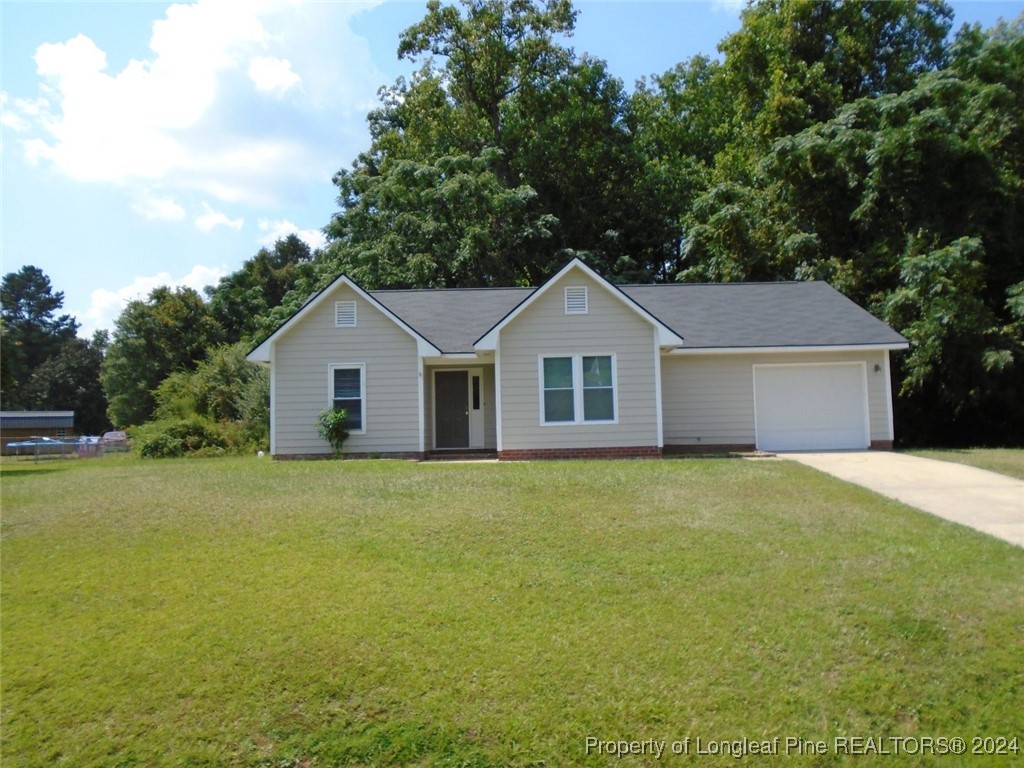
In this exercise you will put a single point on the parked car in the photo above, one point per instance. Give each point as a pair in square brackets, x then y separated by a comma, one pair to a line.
[36, 446]
[114, 441]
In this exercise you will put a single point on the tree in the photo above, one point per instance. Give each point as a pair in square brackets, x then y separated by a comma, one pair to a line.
[170, 331]
[240, 301]
[502, 157]
[32, 332]
[794, 63]
[70, 380]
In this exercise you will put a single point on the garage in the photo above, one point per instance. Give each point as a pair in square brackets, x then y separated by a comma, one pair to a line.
[811, 407]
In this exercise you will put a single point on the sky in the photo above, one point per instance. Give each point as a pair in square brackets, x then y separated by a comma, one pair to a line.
[150, 143]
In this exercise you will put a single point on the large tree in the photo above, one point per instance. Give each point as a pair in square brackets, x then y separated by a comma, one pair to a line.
[241, 300]
[504, 154]
[32, 329]
[70, 380]
[910, 203]
[169, 331]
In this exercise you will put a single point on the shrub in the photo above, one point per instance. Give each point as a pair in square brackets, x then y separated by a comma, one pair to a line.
[180, 437]
[332, 426]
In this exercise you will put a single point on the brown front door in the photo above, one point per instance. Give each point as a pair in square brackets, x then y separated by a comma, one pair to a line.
[451, 409]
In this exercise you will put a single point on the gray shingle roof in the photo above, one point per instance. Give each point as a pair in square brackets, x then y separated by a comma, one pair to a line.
[452, 319]
[725, 315]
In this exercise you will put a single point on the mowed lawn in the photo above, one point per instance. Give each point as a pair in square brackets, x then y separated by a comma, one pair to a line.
[1005, 461]
[243, 612]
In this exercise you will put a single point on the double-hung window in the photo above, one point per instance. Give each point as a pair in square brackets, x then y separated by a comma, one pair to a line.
[577, 389]
[348, 391]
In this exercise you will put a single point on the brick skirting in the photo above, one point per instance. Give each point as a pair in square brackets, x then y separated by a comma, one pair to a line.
[408, 455]
[532, 454]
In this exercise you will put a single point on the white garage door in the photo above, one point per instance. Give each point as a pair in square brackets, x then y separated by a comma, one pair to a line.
[811, 407]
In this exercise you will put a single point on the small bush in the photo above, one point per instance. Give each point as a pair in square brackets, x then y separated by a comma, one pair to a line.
[332, 426]
[174, 438]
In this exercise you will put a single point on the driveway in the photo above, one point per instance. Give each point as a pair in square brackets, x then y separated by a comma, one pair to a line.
[984, 500]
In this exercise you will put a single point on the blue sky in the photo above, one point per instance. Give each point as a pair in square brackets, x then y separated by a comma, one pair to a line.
[150, 143]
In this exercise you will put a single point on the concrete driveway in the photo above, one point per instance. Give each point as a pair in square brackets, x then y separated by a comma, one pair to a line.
[983, 500]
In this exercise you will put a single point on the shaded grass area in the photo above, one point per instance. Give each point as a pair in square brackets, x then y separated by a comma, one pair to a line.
[1005, 461]
[250, 613]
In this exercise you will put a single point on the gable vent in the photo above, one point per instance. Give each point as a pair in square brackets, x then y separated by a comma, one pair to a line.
[576, 300]
[345, 314]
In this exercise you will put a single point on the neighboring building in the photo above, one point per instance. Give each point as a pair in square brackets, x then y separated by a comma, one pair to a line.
[581, 367]
[21, 425]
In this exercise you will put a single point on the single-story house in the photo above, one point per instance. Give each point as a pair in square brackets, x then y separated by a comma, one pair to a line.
[580, 367]
[21, 425]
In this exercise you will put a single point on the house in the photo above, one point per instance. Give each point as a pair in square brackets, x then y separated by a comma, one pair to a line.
[581, 367]
[21, 425]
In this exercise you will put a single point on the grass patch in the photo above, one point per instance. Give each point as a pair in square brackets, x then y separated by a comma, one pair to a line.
[1005, 461]
[253, 613]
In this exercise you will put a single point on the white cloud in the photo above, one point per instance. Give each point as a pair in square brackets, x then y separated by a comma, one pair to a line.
[276, 230]
[273, 75]
[728, 7]
[159, 209]
[105, 306]
[193, 116]
[211, 219]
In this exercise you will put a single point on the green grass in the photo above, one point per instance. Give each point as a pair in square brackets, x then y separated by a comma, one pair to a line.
[238, 612]
[1005, 461]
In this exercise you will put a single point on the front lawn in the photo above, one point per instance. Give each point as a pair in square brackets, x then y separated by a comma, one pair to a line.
[1005, 461]
[244, 612]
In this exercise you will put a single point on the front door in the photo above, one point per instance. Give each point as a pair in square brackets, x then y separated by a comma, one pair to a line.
[451, 409]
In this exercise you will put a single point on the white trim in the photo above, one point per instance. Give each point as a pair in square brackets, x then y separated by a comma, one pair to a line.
[273, 401]
[774, 350]
[579, 417]
[888, 396]
[331, 367]
[666, 336]
[659, 418]
[480, 421]
[477, 419]
[261, 354]
[844, 364]
[422, 415]
[497, 396]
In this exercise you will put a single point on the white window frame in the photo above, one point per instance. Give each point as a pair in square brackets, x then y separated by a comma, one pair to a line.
[579, 304]
[345, 307]
[577, 387]
[362, 389]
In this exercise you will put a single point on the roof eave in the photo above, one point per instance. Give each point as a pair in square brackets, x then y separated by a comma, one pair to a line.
[746, 350]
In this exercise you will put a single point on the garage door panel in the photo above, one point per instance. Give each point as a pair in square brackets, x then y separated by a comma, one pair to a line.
[811, 407]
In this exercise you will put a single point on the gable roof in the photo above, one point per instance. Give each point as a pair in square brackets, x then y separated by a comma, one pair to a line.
[751, 315]
[687, 316]
[261, 353]
[666, 336]
[452, 319]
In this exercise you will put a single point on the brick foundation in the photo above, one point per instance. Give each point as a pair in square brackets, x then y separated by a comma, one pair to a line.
[881, 445]
[535, 454]
[707, 448]
[407, 455]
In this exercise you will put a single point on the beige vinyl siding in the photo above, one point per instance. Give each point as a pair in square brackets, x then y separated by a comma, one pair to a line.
[609, 328]
[487, 392]
[709, 400]
[301, 389]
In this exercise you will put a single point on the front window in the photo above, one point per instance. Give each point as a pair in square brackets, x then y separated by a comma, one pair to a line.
[348, 389]
[578, 389]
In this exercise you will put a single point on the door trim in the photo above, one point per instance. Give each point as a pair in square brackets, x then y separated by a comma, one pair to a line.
[477, 420]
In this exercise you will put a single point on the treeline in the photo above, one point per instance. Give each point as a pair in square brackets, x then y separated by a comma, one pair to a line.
[864, 144]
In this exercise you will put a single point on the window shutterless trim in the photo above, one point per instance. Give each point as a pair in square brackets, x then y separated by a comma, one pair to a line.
[361, 367]
[579, 418]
